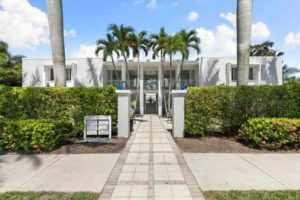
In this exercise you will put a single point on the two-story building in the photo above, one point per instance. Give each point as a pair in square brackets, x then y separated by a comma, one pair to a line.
[152, 86]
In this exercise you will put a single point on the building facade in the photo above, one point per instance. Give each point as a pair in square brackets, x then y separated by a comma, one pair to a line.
[150, 81]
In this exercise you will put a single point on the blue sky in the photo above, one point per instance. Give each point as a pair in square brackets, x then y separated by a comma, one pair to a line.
[87, 20]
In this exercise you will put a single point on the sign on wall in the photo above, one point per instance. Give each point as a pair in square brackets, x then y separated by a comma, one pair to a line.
[97, 126]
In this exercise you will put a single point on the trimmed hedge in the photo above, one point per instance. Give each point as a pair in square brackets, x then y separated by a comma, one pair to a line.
[271, 134]
[33, 135]
[58, 104]
[224, 109]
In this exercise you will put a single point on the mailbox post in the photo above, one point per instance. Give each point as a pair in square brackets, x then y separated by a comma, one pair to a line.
[124, 101]
[97, 126]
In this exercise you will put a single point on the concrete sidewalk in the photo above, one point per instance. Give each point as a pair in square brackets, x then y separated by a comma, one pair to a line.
[62, 173]
[245, 171]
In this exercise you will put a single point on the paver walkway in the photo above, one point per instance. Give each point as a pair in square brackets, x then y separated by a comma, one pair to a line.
[151, 167]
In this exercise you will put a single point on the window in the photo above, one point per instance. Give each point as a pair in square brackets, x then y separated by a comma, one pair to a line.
[68, 74]
[51, 74]
[251, 74]
[234, 74]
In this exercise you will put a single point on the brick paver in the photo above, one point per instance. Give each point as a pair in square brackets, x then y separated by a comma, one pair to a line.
[151, 167]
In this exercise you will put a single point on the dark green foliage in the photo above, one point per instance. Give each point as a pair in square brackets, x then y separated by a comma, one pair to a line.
[225, 109]
[33, 135]
[271, 133]
[70, 104]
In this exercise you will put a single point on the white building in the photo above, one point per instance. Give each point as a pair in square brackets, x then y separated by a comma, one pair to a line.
[154, 81]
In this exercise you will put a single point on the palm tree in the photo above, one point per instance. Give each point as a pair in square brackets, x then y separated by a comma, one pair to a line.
[158, 46]
[190, 41]
[287, 71]
[173, 45]
[139, 43]
[109, 47]
[244, 27]
[121, 33]
[265, 49]
[56, 25]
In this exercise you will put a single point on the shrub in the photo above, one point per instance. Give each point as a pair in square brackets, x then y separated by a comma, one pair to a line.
[225, 109]
[33, 135]
[58, 104]
[272, 134]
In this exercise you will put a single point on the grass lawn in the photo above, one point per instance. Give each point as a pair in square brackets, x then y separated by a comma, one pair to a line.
[49, 196]
[252, 195]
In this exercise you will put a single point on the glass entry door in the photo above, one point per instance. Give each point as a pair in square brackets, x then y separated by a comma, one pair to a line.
[151, 103]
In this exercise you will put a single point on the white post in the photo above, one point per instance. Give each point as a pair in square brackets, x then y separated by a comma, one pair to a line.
[178, 97]
[124, 75]
[142, 90]
[160, 85]
[124, 101]
[178, 84]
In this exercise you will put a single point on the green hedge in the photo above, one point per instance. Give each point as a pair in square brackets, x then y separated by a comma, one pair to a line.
[272, 134]
[225, 109]
[58, 103]
[33, 135]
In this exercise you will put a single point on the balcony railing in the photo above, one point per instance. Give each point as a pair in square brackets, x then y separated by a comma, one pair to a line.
[152, 84]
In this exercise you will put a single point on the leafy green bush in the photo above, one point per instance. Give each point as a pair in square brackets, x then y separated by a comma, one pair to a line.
[225, 109]
[58, 103]
[33, 135]
[272, 134]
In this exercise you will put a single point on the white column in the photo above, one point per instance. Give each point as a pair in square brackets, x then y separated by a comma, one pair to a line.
[160, 85]
[124, 75]
[142, 90]
[178, 97]
[124, 101]
[178, 85]
[259, 75]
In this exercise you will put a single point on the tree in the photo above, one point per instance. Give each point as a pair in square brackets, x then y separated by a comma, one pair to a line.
[173, 45]
[4, 54]
[265, 49]
[244, 27]
[190, 41]
[56, 25]
[139, 43]
[288, 71]
[109, 47]
[121, 33]
[158, 46]
[10, 67]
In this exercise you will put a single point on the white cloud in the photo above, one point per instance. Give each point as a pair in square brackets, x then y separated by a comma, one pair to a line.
[220, 42]
[292, 40]
[192, 16]
[260, 31]
[231, 17]
[152, 4]
[22, 25]
[71, 33]
[85, 51]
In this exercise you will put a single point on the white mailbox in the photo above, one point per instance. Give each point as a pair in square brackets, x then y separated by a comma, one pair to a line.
[97, 125]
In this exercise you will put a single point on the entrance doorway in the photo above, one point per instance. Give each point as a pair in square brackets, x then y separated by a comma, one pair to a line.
[151, 103]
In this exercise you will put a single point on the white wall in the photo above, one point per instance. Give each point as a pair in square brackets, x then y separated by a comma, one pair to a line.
[217, 71]
[85, 72]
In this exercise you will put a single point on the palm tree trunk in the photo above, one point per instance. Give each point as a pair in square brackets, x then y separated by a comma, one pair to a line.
[244, 27]
[56, 26]
[115, 69]
[127, 71]
[170, 85]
